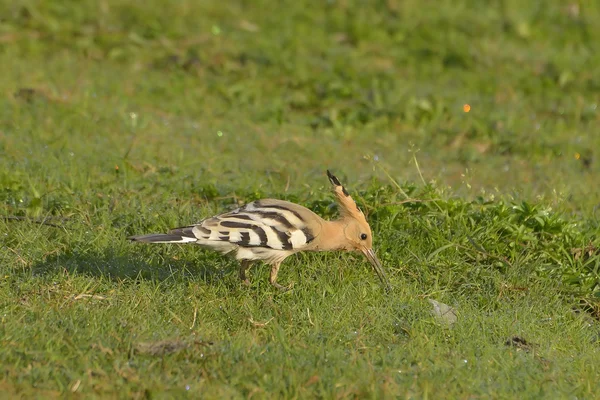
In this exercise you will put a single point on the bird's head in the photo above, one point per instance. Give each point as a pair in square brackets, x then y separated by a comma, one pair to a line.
[357, 231]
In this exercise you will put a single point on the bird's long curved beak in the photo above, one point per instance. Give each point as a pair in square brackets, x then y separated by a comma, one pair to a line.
[370, 254]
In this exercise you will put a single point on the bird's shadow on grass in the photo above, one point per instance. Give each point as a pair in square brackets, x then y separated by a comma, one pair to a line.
[120, 266]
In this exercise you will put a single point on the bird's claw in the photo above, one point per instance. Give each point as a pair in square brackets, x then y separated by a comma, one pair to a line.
[283, 288]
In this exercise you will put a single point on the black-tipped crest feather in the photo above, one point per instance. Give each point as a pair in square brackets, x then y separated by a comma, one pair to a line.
[336, 182]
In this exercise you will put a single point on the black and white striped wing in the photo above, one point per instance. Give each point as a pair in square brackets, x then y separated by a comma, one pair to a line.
[270, 224]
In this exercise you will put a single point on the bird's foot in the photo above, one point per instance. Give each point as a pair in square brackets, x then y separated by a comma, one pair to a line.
[283, 288]
[246, 282]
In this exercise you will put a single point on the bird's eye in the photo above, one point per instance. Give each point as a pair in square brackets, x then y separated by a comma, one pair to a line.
[363, 236]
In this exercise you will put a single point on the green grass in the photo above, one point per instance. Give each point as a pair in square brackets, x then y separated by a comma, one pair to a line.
[120, 119]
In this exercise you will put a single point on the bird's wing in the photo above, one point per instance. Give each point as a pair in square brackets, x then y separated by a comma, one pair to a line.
[272, 224]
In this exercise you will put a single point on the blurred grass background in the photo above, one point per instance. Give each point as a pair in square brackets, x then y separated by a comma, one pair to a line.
[342, 84]
[121, 117]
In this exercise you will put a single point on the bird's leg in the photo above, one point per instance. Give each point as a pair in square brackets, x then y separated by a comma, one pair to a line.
[245, 266]
[273, 278]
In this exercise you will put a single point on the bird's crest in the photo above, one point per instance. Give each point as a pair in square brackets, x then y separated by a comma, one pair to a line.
[348, 208]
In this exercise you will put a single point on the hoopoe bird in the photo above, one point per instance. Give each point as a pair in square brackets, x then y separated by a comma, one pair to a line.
[271, 230]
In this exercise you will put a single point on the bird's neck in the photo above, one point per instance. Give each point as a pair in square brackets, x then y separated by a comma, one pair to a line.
[332, 234]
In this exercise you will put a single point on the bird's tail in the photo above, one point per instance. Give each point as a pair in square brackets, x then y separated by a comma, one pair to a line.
[162, 238]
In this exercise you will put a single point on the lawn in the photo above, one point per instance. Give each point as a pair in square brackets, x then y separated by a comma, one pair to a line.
[466, 130]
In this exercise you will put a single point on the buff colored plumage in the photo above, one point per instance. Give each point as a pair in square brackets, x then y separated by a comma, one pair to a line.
[271, 230]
